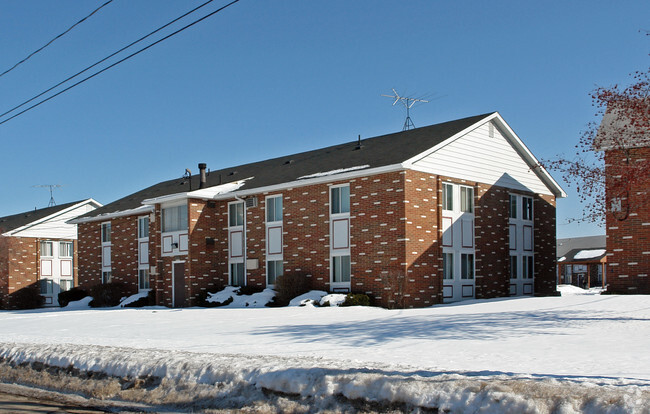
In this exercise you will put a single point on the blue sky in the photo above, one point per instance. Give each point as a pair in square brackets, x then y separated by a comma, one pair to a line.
[269, 78]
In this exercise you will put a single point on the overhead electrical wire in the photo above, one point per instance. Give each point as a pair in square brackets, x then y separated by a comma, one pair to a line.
[106, 58]
[52, 41]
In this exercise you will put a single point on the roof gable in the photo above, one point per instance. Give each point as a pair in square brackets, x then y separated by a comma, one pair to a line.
[29, 220]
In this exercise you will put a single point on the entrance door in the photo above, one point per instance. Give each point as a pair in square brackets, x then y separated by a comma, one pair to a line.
[178, 276]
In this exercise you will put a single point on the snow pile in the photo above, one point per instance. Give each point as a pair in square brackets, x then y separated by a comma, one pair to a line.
[79, 304]
[332, 172]
[212, 192]
[589, 254]
[308, 299]
[232, 299]
[134, 298]
[574, 290]
[333, 299]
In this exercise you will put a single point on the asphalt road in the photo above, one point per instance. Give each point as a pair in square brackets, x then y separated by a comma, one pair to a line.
[18, 404]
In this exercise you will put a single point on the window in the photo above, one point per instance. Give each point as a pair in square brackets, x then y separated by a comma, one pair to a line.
[448, 266]
[65, 285]
[467, 199]
[236, 214]
[46, 249]
[447, 196]
[527, 208]
[466, 266]
[274, 268]
[237, 274]
[106, 232]
[527, 267]
[340, 269]
[143, 279]
[513, 206]
[513, 267]
[340, 199]
[46, 286]
[143, 227]
[274, 209]
[106, 277]
[65, 249]
[174, 218]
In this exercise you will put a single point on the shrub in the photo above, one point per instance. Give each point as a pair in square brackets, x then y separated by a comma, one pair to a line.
[356, 299]
[74, 294]
[106, 295]
[202, 300]
[289, 286]
[27, 298]
[148, 300]
[249, 290]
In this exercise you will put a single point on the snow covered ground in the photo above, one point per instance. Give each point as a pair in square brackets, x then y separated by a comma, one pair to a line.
[581, 352]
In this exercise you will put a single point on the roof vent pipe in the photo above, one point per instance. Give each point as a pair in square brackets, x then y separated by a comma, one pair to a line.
[202, 178]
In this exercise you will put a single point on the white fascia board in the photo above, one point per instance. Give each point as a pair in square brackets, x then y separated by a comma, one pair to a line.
[115, 214]
[54, 215]
[165, 199]
[311, 181]
[521, 148]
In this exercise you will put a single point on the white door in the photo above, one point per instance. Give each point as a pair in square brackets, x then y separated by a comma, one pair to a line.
[55, 269]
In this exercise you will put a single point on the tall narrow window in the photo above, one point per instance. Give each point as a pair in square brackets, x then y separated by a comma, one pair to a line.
[513, 267]
[107, 277]
[340, 199]
[527, 208]
[467, 199]
[237, 274]
[65, 249]
[46, 249]
[274, 268]
[448, 266]
[527, 267]
[106, 232]
[143, 227]
[513, 206]
[274, 209]
[236, 214]
[466, 266]
[447, 196]
[143, 279]
[174, 218]
[341, 269]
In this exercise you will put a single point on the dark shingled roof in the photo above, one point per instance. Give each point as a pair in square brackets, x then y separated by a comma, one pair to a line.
[9, 223]
[375, 152]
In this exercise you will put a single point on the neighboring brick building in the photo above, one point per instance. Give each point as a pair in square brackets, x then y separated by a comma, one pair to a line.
[38, 251]
[440, 213]
[627, 172]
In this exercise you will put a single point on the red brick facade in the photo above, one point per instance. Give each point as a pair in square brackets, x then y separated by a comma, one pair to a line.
[394, 241]
[628, 231]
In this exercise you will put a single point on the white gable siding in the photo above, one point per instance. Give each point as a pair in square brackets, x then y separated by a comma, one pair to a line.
[56, 227]
[478, 157]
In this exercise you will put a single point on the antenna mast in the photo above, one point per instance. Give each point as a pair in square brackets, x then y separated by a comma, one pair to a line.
[408, 103]
[51, 187]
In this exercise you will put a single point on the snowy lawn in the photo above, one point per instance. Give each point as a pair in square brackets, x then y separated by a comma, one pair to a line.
[429, 357]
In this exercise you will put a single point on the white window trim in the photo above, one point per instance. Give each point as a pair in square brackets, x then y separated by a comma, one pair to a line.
[272, 224]
[339, 252]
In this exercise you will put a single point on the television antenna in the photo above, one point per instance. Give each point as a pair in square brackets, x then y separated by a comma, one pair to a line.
[408, 104]
[51, 187]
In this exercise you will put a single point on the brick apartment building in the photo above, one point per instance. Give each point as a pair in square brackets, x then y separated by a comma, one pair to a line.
[38, 251]
[447, 212]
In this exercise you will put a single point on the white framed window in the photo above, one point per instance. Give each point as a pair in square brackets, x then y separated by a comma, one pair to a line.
[237, 274]
[341, 269]
[174, 218]
[467, 199]
[527, 267]
[466, 266]
[106, 232]
[274, 268]
[274, 209]
[448, 266]
[143, 279]
[236, 214]
[46, 249]
[65, 285]
[514, 268]
[65, 249]
[107, 277]
[340, 199]
[526, 208]
[143, 227]
[513, 206]
[47, 286]
[447, 196]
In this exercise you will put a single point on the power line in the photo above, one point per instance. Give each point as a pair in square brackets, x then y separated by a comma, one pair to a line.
[104, 59]
[52, 41]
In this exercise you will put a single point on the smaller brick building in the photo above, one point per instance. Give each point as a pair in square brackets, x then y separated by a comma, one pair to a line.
[38, 251]
[443, 213]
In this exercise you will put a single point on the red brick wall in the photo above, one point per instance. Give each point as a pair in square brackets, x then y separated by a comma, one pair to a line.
[89, 254]
[628, 235]
[21, 265]
[545, 245]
